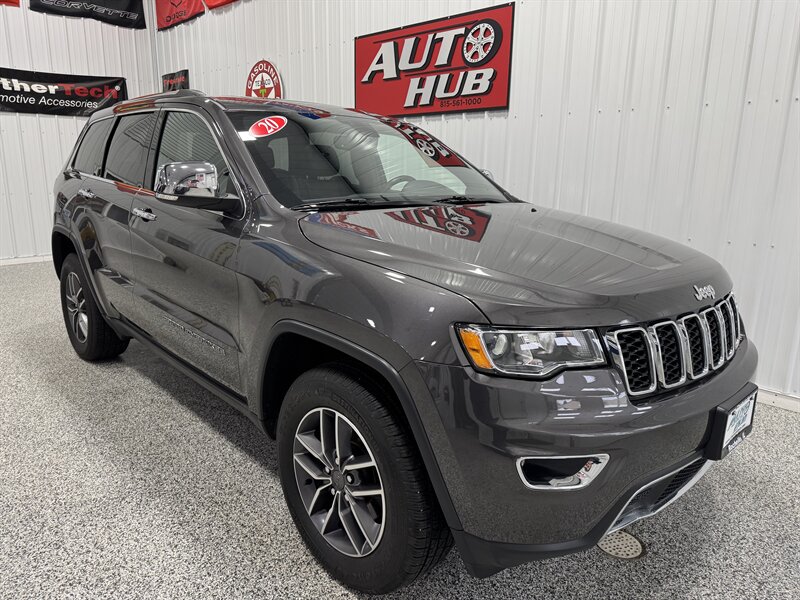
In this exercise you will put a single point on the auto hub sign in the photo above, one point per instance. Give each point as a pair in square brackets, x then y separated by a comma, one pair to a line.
[454, 64]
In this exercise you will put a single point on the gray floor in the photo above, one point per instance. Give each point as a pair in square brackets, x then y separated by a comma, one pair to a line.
[126, 479]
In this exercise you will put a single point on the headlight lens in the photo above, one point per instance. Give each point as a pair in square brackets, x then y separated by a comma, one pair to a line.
[533, 353]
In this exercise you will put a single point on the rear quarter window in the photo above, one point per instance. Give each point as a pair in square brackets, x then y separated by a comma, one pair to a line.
[89, 157]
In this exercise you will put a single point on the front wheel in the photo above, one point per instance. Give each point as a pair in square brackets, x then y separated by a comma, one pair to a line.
[355, 485]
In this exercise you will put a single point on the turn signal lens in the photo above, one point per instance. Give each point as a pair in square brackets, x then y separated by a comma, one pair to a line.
[531, 353]
[472, 343]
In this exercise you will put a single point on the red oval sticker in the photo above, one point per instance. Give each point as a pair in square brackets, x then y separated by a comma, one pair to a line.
[267, 126]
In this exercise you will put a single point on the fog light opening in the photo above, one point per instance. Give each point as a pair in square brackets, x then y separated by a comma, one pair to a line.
[622, 544]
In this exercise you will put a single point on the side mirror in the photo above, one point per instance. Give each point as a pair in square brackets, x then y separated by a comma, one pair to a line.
[193, 184]
[487, 173]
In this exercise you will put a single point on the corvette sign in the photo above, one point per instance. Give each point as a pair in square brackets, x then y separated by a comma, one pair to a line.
[455, 64]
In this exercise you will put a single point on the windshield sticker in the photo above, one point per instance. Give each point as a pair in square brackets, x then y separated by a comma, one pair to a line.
[267, 126]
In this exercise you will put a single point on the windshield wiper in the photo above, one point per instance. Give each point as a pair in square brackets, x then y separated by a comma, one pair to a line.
[333, 202]
[466, 200]
[360, 203]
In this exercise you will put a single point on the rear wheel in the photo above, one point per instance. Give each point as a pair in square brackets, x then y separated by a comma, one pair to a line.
[89, 333]
[355, 485]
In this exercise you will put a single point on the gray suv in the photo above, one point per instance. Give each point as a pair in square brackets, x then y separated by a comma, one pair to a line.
[439, 361]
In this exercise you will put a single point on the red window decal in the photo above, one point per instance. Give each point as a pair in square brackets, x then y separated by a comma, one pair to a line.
[267, 126]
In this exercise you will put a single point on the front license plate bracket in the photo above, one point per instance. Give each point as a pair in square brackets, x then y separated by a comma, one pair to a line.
[731, 422]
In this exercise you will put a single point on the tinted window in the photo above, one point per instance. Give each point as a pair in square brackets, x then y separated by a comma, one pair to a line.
[127, 154]
[89, 158]
[309, 158]
[186, 138]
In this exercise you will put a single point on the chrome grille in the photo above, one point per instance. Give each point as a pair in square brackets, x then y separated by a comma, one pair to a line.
[669, 353]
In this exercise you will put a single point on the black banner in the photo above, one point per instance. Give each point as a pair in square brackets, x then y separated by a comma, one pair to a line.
[57, 94]
[175, 81]
[125, 13]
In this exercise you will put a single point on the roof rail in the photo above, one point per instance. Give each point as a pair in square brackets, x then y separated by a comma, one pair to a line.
[170, 94]
[182, 93]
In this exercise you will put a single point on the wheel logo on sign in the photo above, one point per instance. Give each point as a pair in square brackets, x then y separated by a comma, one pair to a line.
[482, 42]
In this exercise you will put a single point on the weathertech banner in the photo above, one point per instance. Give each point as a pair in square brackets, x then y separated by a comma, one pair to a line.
[454, 64]
[57, 94]
[218, 3]
[9, 2]
[173, 12]
[175, 81]
[125, 13]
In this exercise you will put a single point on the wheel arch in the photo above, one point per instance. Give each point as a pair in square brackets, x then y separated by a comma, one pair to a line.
[61, 245]
[279, 372]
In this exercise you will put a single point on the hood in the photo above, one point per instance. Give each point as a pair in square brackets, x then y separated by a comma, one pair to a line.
[522, 265]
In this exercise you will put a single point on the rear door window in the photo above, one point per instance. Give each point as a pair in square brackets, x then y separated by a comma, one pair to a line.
[89, 158]
[127, 153]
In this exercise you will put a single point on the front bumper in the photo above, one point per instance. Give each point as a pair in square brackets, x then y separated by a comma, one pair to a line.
[489, 422]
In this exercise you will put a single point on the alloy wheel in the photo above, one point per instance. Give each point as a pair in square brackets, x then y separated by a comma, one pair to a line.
[76, 308]
[339, 482]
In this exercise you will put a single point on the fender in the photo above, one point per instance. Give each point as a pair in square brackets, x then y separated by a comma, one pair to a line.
[398, 385]
[100, 303]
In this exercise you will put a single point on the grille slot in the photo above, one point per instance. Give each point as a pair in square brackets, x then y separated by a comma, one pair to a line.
[635, 352]
[671, 368]
[736, 318]
[714, 324]
[666, 354]
[696, 338]
[730, 333]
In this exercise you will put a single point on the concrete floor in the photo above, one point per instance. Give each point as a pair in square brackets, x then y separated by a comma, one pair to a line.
[126, 479]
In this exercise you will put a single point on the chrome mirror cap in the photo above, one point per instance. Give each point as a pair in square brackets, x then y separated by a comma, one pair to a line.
[196, 178]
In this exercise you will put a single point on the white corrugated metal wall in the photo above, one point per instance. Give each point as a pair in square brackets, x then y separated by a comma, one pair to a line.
[33, 148]
[682, 118]
[677, 117]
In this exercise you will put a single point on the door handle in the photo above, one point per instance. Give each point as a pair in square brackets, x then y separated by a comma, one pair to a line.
[145, 214]
[88, 194]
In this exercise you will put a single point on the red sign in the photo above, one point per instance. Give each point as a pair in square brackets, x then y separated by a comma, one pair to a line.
[172, 12]
[267, 126]
[455, 64]
[264, 81]
[218, 3]
[10, 2]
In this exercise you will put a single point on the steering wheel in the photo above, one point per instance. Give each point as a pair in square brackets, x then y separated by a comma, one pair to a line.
[399, 179]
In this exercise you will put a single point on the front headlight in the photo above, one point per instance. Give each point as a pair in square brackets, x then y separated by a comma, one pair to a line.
[532, 353]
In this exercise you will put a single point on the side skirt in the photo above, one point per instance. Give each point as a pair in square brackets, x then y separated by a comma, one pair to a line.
[237, 401]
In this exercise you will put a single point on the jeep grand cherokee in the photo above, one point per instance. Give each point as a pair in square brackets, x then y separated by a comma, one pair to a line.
[438, 360]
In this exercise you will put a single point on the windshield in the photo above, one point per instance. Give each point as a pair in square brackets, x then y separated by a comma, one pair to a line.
[312, 156]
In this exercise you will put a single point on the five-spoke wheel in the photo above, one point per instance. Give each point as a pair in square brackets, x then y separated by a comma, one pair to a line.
[354, 483]
[339, 482]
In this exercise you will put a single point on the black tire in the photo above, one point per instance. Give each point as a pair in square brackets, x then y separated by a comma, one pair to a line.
[414, 536]
[94, 339]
